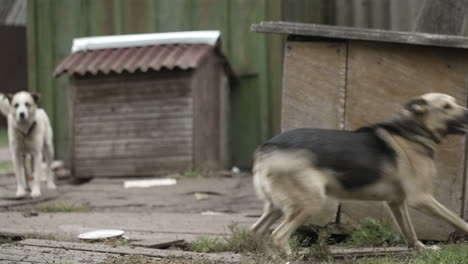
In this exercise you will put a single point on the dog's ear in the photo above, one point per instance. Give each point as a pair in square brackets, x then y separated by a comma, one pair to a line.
[416, 106]
[9, 97]
[36, 97]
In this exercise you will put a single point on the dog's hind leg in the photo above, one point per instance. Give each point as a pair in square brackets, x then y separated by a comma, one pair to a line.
[399, 211]
[429, 205]
[18, 162]
[303, 195]
[261, 227]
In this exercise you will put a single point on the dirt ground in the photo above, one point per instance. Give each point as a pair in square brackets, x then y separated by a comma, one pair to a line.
[151, 217]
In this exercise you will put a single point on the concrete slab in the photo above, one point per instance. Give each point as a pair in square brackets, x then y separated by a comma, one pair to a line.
[47, 251]
[5, 155]
[138, 226]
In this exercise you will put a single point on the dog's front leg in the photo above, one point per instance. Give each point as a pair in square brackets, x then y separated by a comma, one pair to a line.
[37, 172]
[18, 162]
[399, 211]
[429, 205]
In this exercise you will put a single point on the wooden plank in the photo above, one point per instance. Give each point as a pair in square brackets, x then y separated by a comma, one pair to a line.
[122, 250]
[224, 114]
[380, 78]
[131, 131]
[313, 93]
[120, 92]
[141, 116]
[143, 127]
[129, 166]
[145, 148]
[206, 111]
[160, 105]
[335, 32]
[72, 104]
[313, 87]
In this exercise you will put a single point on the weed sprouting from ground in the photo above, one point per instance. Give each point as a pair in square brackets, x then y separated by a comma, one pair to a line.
[61, 207]
[207, 244]
[240, 240]
[319, 250]
[451, 254]
[372, 232]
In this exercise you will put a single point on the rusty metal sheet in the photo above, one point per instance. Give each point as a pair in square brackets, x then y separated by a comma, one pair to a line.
[131, 59]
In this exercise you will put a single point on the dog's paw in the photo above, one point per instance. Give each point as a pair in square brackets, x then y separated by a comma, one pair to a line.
[21, 192]
[51, 186]
[36, 192]
[433, 247]
[419, 246]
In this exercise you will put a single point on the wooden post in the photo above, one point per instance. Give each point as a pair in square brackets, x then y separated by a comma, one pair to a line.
[442, 17]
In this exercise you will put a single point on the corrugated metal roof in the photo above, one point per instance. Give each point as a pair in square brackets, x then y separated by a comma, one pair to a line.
[142, 52]
[133, 59]
[13, 12]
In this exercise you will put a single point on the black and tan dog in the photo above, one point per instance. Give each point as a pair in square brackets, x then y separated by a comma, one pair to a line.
[392, 161]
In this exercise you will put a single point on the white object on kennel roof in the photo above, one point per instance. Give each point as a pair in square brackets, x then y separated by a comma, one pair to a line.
[209, 37]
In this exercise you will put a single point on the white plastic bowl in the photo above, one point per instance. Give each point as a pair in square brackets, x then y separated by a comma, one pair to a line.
[101, 234]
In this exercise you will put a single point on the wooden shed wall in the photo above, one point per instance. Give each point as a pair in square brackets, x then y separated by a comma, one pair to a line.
[132, 124]
[348, 84]
[210, 112]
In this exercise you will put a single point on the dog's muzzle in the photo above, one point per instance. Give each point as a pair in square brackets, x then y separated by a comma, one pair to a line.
[459, 126]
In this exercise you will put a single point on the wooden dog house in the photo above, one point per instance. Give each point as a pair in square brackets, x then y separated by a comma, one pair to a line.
[344, 78]
[147, 103]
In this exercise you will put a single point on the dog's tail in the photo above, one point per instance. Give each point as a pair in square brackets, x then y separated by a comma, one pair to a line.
[4, 105]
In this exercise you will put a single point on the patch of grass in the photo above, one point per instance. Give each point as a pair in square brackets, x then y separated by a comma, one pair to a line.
[313, 247]
[114, 241]
[319, 250]
[6, 166]
[192, 173]
[207, 244]
[240, 240]
[452, 254]
[61, 207]
[372, 232]
[3, 138]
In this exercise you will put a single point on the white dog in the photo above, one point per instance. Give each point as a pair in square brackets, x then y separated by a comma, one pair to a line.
[30, 134]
